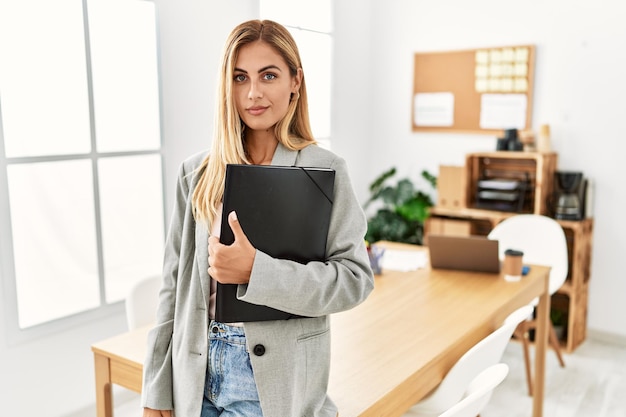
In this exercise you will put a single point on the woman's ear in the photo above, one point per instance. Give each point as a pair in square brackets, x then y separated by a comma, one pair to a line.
[297, 81]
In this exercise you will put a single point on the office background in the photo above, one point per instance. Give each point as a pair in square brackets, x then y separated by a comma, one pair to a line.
[579, 91]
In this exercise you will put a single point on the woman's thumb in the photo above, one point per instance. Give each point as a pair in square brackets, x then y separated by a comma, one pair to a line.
[234, 225]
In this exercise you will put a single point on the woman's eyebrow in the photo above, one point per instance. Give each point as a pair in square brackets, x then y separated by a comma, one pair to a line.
[269, 67]
[260, 70]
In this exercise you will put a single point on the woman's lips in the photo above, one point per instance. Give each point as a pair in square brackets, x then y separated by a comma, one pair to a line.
[256, 111]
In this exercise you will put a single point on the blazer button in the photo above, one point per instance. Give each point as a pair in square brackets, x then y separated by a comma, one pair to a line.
[259, 350]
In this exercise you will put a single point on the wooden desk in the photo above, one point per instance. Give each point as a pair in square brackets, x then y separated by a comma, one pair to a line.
[118, 360]
[390, 351]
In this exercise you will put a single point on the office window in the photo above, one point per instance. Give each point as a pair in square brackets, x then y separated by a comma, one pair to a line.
[311, 26]
[80, 157]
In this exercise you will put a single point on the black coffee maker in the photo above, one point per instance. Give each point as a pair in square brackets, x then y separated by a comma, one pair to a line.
[569, 196]
[510, 141]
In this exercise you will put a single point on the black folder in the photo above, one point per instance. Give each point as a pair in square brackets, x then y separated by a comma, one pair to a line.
[285, 212]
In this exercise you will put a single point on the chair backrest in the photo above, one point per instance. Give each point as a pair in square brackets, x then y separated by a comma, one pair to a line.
[482, 355]
[479, 392]
[141, 302]
[541, 239]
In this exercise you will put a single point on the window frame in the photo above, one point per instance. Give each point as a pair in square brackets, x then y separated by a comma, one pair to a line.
[16, 334]
[294, 25]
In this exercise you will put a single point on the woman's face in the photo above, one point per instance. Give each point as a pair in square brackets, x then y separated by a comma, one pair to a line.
[262, 86]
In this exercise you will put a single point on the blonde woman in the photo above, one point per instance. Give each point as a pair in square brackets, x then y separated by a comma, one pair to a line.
[197, 367]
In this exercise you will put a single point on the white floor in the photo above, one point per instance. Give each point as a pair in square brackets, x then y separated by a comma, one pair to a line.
[592, 384]
[128, 406]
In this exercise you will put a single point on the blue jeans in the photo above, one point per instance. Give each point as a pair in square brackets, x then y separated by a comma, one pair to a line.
[230, 389]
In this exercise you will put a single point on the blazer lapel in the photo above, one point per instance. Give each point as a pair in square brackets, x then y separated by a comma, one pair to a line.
[284, 157]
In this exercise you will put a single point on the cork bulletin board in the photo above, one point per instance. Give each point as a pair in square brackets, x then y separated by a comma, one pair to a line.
[483, 90]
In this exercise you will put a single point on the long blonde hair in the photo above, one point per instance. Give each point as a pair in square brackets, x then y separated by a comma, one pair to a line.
[293, 131]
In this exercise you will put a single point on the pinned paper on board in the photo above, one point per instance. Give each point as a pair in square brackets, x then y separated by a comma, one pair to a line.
[433, 109]
[501, 70]
[503, 111]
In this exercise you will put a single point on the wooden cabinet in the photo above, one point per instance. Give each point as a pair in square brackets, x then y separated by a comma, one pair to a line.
[572, 298]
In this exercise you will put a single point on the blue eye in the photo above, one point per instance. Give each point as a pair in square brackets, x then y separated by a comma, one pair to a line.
[239, 78]
[269, 76]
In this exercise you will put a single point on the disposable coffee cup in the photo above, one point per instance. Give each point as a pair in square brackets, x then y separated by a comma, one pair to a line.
[512, 267]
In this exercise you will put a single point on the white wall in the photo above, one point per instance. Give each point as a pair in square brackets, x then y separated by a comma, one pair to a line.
[579, 86]
[351, 104]
[579, 91]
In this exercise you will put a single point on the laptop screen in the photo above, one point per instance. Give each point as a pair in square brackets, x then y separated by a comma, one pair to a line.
[465, 253]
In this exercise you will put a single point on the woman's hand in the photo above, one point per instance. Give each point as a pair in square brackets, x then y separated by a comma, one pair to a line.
[149, 412]
[231, 264]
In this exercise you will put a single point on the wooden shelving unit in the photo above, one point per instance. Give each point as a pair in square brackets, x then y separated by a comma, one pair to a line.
[572, 298]
[537, 169]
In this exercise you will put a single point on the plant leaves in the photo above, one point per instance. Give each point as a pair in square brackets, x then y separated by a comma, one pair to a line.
[432, 180]
[404, 191]
[378, 182]
[404, 209]
[376, 187]
[414, 210]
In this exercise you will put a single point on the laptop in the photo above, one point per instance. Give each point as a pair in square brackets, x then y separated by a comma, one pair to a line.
[465, 253]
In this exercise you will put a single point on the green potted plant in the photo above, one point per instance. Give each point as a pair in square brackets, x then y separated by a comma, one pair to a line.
[402, 210]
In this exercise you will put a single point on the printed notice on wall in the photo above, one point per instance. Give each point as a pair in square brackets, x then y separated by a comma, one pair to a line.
[503, 111]
[433, 109]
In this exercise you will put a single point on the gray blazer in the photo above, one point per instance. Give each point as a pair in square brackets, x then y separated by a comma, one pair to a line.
[291, 358]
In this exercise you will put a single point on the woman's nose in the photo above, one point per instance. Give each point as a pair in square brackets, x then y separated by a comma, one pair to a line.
[255, 90]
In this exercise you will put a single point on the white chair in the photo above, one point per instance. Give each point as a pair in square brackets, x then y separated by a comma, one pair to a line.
[479, 392]
[141, 302]
[479, 357]
[543, 242]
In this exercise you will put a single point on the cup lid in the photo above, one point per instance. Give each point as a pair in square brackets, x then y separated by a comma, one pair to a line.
[513, 252]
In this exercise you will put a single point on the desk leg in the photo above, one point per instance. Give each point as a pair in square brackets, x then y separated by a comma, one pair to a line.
[541, 342]
[104, 399]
